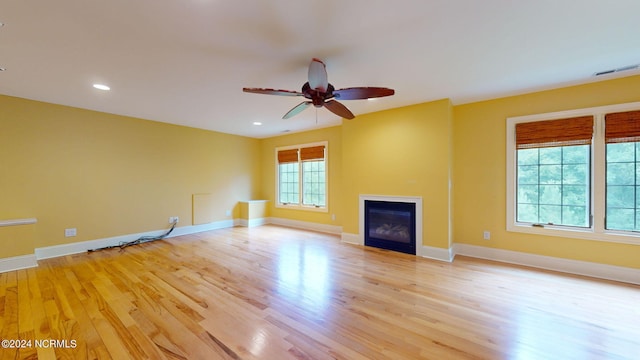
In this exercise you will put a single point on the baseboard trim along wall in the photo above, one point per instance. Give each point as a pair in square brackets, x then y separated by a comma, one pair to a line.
[354, 239]
[83, 246]
[305, 225]
[251, 222]
[18, 263]
[602, 271]
[576, 267]
[29, 261]
[436, 253]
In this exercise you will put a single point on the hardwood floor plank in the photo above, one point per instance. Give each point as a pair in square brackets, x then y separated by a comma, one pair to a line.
[278, 293]
[10, 321]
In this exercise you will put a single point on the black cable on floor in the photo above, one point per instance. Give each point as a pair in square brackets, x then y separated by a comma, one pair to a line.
[140, 240]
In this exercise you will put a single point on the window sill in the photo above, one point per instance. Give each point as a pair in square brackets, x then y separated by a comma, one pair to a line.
[576, 233]
[303, 208]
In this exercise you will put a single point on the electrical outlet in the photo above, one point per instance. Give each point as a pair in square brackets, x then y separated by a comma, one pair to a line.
[486, 235]
[173, 219]
[228, 212]
[70, 232]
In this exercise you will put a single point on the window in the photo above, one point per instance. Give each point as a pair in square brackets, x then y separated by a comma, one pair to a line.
[302, 176]
[553, 168]
[622, 138]
[576, 173]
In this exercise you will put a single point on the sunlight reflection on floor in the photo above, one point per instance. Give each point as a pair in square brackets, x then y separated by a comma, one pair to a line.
[304, 275]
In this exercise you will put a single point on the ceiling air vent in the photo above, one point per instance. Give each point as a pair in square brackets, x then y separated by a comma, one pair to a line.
[624, 68]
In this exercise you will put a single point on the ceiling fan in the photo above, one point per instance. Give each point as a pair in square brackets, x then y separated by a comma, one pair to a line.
[320, 93]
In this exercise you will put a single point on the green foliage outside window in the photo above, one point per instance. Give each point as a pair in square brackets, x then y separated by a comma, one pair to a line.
[623, 194]
[553, 185]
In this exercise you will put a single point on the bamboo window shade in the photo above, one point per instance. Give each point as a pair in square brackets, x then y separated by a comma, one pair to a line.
[287, 156]
[312, 153]
[622, 127]
[551, 133]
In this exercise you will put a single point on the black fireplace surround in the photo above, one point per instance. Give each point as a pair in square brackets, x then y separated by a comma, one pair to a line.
[390, 225]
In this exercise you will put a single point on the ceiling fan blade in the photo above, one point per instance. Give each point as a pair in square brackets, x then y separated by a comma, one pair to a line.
[272, 92]
[318, 75]
[297, 109]
[338, 109]
[357, 93]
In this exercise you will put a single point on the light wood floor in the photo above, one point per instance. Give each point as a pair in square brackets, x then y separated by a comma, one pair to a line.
[278, 293]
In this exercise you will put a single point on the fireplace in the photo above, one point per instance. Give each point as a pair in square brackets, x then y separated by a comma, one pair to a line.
[390, 225]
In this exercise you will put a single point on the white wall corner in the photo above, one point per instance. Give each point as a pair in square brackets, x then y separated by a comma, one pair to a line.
[18, 263]
[251, 222]
[354, 239]
[436, 253]
[576, 267]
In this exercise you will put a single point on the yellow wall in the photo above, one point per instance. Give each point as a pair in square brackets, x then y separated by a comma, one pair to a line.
[401, 152]
[109, 175]
[17, 240]
[267, 150]
[480, 171]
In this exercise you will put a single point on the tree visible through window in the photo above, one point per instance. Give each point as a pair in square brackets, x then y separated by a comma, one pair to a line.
[622, 136]
[313, 182]
[553, 171]
[553, 185]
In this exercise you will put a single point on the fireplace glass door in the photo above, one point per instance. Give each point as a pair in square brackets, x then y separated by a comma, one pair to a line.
[390, 225]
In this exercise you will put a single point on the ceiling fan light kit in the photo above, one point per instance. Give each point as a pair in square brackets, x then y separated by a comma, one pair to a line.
[320, 93]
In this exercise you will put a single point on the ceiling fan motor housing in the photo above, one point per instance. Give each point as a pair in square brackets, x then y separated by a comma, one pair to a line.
[317, 97]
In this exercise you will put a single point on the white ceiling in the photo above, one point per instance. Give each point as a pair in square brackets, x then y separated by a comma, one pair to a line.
[186, 61]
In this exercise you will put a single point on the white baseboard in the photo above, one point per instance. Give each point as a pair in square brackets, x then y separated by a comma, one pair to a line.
[330, 229]
[436, 253]
[603, 271]
[354, 239]
[251, 222]
[18, 263]
[576, 267]
[83, 246]
[48, 252]
[192, 229]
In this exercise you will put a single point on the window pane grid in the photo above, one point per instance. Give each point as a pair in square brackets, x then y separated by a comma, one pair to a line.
[313, 177]
[289, 183]
[553, 185]
[622, 189]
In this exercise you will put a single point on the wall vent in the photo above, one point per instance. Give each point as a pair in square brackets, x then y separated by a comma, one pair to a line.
[624, 68]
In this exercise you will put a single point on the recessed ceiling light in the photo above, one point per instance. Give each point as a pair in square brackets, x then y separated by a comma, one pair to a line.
[257, 123]
[101, 87]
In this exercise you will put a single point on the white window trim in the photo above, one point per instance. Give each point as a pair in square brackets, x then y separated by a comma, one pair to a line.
[596, 231]
[324, 209]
